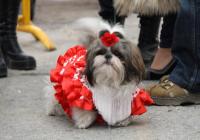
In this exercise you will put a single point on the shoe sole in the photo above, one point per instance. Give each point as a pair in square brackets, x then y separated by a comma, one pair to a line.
[177, 101]
[3, 73]
[21, 65]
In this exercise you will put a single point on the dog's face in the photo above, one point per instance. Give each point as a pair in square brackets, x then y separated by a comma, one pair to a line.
[115, 65]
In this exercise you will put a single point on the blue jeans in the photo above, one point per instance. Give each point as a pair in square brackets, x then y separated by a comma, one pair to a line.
[186, 47]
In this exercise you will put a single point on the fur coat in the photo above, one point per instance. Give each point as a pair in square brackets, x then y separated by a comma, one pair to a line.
[146, 7]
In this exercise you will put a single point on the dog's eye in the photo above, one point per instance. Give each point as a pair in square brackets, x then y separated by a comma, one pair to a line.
[118, 54]
[101, 52]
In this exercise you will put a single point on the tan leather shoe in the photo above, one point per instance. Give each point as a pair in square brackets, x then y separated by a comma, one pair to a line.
[168, 93]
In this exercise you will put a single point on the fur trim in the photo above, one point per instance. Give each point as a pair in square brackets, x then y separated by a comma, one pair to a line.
[146, 7]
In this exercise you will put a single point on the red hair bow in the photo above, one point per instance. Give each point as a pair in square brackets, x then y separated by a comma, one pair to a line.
[109, 39]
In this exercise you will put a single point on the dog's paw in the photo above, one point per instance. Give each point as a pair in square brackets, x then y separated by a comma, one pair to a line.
[84, 123]
[82, 118]
[125, 122]
[53, 108]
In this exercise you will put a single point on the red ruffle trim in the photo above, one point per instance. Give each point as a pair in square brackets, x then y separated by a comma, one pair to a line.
[70, 84]
[70, 87]
[140, 100]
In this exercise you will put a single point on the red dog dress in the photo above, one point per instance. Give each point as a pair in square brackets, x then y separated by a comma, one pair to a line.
[71, 84]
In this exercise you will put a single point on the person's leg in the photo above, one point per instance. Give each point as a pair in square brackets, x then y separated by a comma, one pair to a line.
[183, 84]
[163, 62]
[3, 68]
[148, 37]
[107, 12]
[15, 59]
[187, 47]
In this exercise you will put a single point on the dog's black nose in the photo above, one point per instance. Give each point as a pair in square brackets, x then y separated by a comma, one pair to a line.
[108, 56]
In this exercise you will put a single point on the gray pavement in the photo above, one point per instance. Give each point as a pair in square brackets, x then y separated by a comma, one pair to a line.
[22, 102]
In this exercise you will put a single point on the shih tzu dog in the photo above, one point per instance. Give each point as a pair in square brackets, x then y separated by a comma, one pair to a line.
[113, 72]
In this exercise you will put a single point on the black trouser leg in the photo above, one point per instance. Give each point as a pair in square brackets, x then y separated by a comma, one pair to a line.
[148, 37]
[14, 56]
[166, 40]
[107, 12]
[167, 32]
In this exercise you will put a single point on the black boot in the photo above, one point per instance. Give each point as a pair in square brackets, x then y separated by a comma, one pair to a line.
[107, 12]
[3, 67]
[14, 56]
[148, 37]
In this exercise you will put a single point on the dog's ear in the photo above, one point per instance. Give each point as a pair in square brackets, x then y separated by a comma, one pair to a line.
[89, 66]
[138, 63]
[134, 64]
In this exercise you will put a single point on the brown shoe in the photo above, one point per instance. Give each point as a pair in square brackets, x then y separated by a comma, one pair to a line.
[168, 93]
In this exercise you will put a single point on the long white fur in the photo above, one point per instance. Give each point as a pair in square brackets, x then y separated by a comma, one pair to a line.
[112, 100]
[114, 104]
[146, 7]
[90, 27]
[95, 25]
[111, 75]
